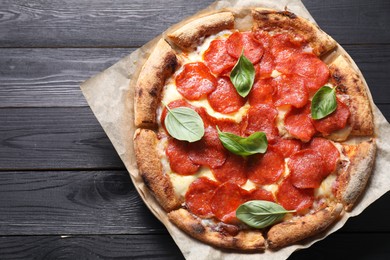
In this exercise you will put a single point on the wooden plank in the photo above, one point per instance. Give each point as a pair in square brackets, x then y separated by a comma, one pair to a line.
[72, 202]
[132, 23]
[337, 246]
[90, 247]
[51, 77]
[54, 138]
[352, 21]
[60, 138]
[348, 246]
[103, 202]
[82, 24]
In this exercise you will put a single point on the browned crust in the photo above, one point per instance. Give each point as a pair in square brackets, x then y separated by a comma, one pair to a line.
[188, 36]
[270, 20]
[150, 168]
[349, 82]
[354, 177]
[249, 240]
[160, 65]
[295, 230]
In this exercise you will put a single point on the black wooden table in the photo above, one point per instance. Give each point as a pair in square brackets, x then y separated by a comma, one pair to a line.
[64, 193]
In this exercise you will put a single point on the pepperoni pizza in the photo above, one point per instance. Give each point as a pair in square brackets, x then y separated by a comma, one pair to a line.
[257, 151]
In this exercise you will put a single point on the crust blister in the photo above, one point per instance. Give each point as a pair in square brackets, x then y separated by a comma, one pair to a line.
[190, 34]
[295, 230]
[349, 82]
[271, 20]
[149, 165]
[160, 65]
[353, 179]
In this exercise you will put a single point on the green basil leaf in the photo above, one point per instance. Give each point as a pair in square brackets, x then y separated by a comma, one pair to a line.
[184, 124]
[260, 213]
[243, 75]
[323, 103]
[255, 143]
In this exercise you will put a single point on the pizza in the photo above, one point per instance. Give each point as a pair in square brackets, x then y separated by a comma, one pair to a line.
[245, 136]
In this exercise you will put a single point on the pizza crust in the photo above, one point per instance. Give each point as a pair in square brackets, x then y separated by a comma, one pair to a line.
[349, 82]
[249, 240]
[160, 65]
[189, 36]
[354, 177]
[150, 168]
[292, 231]
[275, 21]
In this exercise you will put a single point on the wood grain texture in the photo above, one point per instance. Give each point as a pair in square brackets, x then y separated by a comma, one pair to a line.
[89, 247]
[50, 77]
[337, 246]
[72, 202]
[55, 138]
[80, 23]
[132, 23]
[39, 78]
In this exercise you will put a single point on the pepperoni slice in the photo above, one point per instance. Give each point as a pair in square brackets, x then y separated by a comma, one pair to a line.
[299, 124]
[262, 118]
[313, 71]
[198, 197]
[195, 81]
[292, 198]
[177, 152]
[232, 170]
[218, 59]
[261, 92]
[208, 151]
[266, 66]
[287, 147]
[284, 48]
[259, 194]
[290, 90]
[330, 154]
[225, 201]
[266, 168]
[307, 169]
[238, 41]
[225, 99]
[264, 38]
[335, 121]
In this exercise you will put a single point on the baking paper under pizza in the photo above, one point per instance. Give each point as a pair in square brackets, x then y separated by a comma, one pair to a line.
[314, 169]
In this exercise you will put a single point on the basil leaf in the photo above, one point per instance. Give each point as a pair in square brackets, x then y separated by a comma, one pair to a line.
[323, 103]
[184, 124]
[243, 75]
[260, 213]
[255, 143]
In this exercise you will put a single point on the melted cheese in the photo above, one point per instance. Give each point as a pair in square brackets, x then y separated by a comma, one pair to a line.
[181, 183]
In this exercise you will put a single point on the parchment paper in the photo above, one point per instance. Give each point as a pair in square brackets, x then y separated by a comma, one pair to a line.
[110, 96]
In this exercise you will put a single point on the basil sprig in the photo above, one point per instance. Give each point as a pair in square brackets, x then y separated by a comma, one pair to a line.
[323, 103]
[184, 124]
[261, 213]
[243, 75]
[255, 143]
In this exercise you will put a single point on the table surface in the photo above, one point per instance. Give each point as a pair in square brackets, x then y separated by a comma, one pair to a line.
[64, 192]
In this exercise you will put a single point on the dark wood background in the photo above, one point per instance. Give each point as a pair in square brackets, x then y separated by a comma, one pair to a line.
[64, 193]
